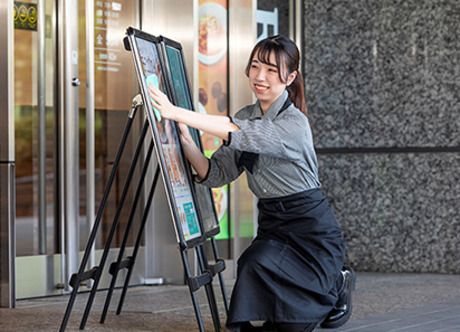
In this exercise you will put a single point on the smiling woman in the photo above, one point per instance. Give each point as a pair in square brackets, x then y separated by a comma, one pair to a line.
[291, 275]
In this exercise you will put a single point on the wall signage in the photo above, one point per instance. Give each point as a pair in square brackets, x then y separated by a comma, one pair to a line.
[25, 15]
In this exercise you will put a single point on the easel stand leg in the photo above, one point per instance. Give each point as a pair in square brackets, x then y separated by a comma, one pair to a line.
[116, 219]
[193, 287]
[220, 276]
[139, 238]
[81, 276]
[204, 267]
[115, 267]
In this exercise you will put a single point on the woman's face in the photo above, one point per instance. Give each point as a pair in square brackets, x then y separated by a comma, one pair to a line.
[265, 81]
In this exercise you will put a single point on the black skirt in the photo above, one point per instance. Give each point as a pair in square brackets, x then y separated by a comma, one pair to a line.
[289, 272]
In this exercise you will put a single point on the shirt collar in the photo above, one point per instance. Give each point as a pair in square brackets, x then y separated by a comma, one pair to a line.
[274, 109]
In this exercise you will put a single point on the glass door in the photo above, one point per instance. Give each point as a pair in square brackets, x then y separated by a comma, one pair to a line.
[74, 84]
[104, 108]
[46, 148]
[36, 138]
[106, 71]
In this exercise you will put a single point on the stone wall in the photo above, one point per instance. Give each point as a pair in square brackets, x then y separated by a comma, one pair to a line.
[383, 92]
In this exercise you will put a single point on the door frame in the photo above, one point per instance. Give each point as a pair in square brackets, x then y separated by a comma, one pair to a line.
[7, 184]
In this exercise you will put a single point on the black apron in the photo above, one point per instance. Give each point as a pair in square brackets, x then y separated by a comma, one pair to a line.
[289, 272]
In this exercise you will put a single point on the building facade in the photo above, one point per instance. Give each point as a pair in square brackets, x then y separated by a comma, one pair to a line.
[382, 94]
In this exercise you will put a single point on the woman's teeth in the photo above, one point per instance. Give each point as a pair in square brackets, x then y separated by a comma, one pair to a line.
[261, 87]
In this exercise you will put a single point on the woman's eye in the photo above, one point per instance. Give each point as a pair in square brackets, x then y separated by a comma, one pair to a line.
[272, 70]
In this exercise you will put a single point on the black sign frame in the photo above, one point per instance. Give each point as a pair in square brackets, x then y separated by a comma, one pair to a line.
[204, 194]
[133, 35]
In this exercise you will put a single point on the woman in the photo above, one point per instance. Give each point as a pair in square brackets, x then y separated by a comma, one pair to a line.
[291, 275]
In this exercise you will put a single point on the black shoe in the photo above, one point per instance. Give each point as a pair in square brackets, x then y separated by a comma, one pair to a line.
[341, 312]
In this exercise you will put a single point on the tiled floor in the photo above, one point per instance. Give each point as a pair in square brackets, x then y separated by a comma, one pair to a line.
[430, 318]
[382, 302]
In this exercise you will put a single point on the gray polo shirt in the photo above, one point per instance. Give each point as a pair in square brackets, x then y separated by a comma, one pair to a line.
[287, 160]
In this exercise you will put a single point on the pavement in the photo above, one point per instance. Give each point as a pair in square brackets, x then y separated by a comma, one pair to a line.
[382, 302]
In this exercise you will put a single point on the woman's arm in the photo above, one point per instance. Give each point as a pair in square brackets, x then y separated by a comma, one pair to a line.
[215, 172]
[193, 154]
[216, 125]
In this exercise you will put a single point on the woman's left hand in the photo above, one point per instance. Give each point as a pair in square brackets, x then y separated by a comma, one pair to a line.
[185, 136]
[161, 102]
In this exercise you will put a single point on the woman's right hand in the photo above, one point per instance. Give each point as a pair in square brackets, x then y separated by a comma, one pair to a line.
[161, 102]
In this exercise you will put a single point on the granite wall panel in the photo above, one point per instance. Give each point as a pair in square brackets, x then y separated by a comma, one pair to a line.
[399, 212]
[383, 73]
[382, 79]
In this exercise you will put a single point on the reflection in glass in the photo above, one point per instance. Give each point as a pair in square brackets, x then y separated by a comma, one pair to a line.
[115, 86]
[27, 152]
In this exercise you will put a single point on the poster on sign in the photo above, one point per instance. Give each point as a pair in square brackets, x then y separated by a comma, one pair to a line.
[181, 94]
[181, 197]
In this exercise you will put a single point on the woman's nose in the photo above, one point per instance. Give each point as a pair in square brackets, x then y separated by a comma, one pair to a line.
[260, 76]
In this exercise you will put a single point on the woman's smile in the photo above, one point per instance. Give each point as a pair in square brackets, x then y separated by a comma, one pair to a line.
[260, 88]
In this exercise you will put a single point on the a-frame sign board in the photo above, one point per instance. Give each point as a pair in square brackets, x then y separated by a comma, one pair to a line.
[158, 62]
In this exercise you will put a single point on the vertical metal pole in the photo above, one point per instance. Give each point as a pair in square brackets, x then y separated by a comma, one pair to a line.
[60, 188]
[7, 236]
[7, 177]
[298, 19]
[41, 99]
[195, 63]
[72, 165]
[235, 220]
[69, 136]
[295, 24]
[90, 131]
[6, 81]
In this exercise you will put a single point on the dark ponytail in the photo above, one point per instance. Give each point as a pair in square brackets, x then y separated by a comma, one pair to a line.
[297, 93]
[287, 61]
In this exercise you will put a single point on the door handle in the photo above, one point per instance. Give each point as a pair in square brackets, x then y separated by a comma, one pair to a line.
[75, 81]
